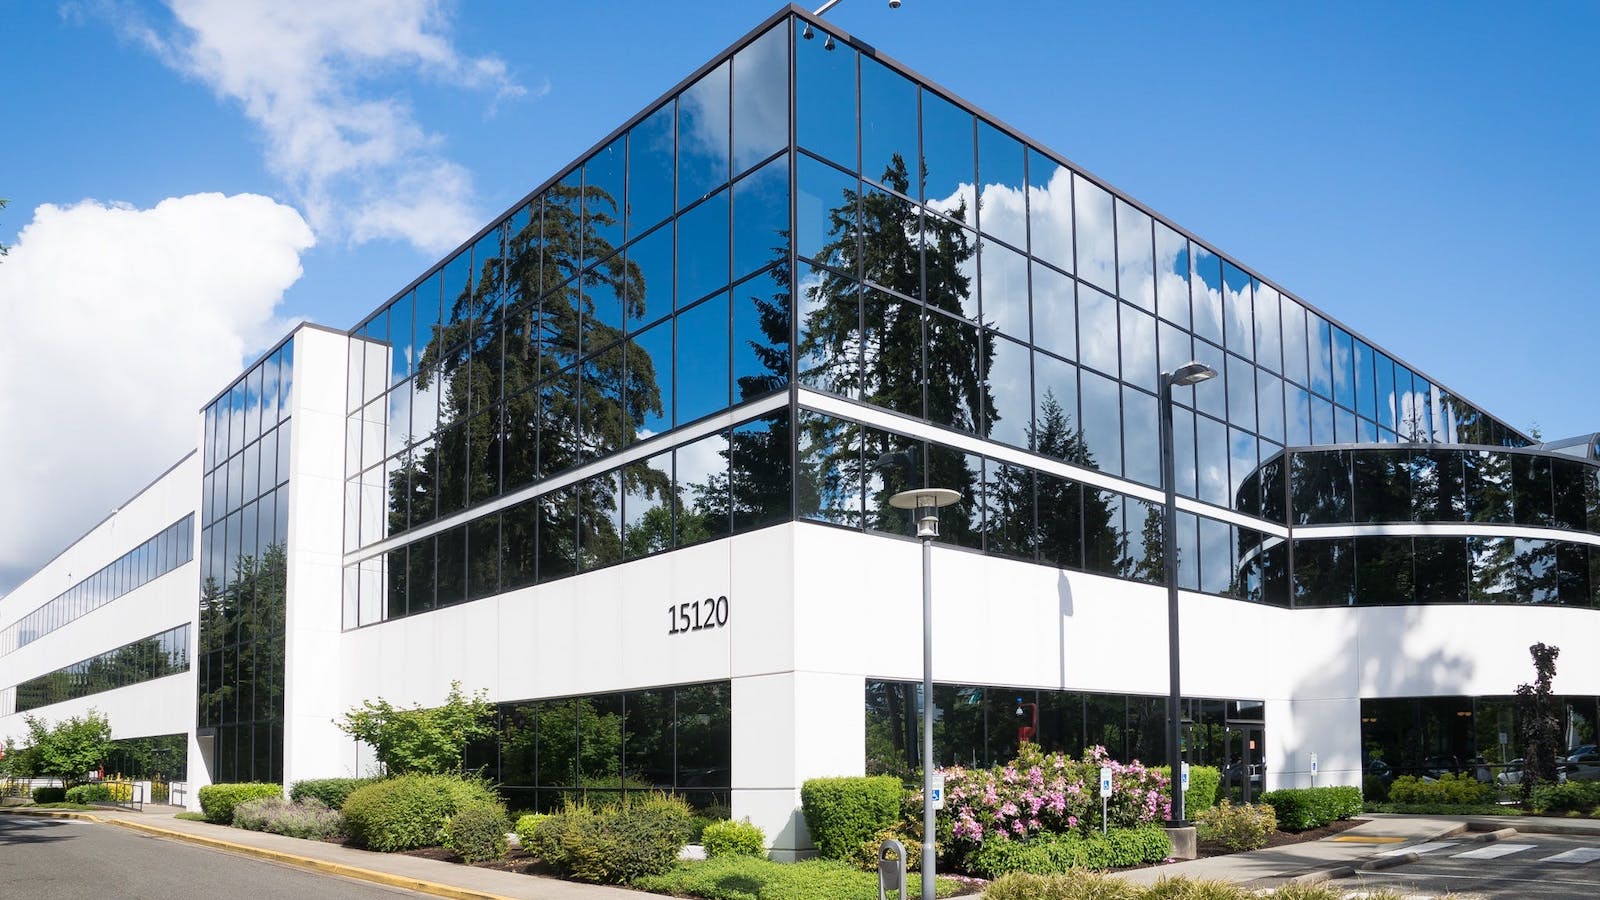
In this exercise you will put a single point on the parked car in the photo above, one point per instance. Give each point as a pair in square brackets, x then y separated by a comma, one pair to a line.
[1512, 774]
[1583, 766]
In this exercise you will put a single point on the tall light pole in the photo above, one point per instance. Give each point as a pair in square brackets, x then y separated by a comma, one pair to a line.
[1183, 376]
[925, 504]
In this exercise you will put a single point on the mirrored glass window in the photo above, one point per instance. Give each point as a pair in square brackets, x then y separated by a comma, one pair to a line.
[1102, 422]
[825, 96]
[1097, 330]
[703, 249]
[1237, 310]
[1387, 402]
[1055, 312]
[650, 170]
[603, 178]
[947, 158]
[1269, 406]
[703, 136]
[1211, 461]
[648, 393]
[760, 336]
[1241, 393]
[826, 214]
[1005, 289]
[1295, 346]
[1205, 291]
[955, 358]
[761, 99]
[761, 218]
[1344, 391]
[1055, 409]
[1319, 335]
[1135, 264]
[888, 127]
[1096, 233]
[1322, 431]
[1138, 347]
[1269, 337]
[1003, 210]
[1183, 458]
[892, 343]
[702, 358]
[828, 356]
[1141, 440]
[1010, 392]
[1172, 275]
[1211, 397]
[829, 481]
[650, 278]
[1365, 392]
[1049, 210]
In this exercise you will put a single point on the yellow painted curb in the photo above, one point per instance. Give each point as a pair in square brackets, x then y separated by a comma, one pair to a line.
[317, 865]
[50, 813]
[1374, 839]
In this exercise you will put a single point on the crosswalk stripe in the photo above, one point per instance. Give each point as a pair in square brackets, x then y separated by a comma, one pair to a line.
[1494, 851]
[1427, 847]
[1576, 857]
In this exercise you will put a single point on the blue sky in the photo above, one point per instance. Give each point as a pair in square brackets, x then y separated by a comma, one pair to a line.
[1422, 172]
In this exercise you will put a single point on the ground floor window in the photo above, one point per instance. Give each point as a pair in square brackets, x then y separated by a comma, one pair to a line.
[1481, 736]
[982, 725]
[598, 746]
[160, 758]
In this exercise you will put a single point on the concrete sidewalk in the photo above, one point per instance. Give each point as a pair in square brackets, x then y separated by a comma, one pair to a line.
[1331, 857]
[1341, 854]
[427, 876]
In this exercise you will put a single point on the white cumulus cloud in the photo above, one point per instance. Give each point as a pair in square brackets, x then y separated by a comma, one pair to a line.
[308, 73]
[116, 324]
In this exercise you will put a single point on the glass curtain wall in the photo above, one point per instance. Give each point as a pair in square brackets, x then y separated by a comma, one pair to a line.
[643, 290]
[144, 660]
[1477, 736]
[243, 554]
[166, 551]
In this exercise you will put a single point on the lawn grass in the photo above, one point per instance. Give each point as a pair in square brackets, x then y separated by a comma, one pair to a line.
[749, 878]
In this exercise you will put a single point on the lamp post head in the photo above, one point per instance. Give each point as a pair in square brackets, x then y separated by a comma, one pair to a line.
[925, 503]
[1191, 373]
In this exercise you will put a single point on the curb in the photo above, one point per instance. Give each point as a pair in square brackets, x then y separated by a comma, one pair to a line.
[1376, 864]
[51, 814]
[278, 856]
[1388, 862]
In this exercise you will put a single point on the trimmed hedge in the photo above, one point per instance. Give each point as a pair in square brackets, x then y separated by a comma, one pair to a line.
[729, 838]
[612, 844]
[1300, 809]
[331, 792]
[49, 795]
[843, 812]
[1051, 853]
[748, 878]
[409, 811]
[1449, 788]
[89, 793]
[1204, 783]
[218, 800]
[1570, 796]
[478, 831]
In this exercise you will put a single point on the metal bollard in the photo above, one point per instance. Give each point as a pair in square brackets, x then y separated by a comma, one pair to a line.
[891, 869]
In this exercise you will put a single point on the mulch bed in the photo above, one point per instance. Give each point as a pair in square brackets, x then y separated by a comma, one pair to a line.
[518, 861]
[1282, 838]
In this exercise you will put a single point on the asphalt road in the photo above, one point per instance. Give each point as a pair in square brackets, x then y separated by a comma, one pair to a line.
[1518, 867]
[56, 859]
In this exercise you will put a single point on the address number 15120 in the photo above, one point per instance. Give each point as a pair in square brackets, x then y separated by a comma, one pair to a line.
[698, 616]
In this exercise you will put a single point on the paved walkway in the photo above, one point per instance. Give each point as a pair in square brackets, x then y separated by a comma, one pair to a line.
[1383, 841]
[1375, 842]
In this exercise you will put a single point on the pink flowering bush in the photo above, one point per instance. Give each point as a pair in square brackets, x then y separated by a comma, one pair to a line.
[1049, 792]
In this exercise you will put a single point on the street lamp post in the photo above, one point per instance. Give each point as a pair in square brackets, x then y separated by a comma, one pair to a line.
[1183, 376]
[925, 504]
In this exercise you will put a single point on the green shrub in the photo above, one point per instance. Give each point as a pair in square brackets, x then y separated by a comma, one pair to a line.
[749, 878]
[866, 858]
[478, 831]
[1204, 783]
[331, 792]
[524, 828]
[613, 844]
[1374, 789]
[309, 819]
[729, 838]
[409, 811]
[1448, 789]
[1241, 827]
[1299, 809]
[843, 812]
[49, 795]
[218, 800]
[89, 793]
[1571, 796]
[1052, 852]
[1091, 886]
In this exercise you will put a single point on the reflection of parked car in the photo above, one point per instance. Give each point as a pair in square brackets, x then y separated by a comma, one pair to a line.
[1581, 750]
[1513, 772]
[1583, 766]
[1434, 766]
[1377, 768]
